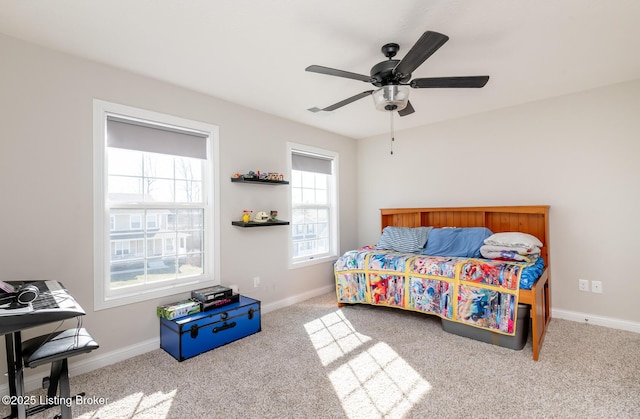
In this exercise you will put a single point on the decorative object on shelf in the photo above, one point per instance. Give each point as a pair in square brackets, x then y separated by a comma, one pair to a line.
[261, 217]
[259, 176]
[246, 216]
[275, 176]
[251, 175]
[274, 216]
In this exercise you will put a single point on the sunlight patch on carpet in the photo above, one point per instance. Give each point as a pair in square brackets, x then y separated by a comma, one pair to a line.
[333, 336]
[155, 405]
[371, 380]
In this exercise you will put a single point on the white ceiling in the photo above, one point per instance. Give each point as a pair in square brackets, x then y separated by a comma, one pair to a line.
[254, 52]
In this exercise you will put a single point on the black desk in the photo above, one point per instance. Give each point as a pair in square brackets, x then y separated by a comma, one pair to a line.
[13, 321]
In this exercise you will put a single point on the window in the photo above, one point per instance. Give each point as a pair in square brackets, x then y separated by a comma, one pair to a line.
[135, 221]
[314, 226]
[155, 204]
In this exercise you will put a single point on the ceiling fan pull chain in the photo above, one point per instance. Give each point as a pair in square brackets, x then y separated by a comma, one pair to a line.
[392, 133]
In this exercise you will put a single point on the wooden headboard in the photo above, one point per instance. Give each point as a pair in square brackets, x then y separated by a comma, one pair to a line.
[526, 219]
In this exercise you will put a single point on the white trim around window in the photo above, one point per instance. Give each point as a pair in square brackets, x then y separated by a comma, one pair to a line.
[326, 159]
[104, 296]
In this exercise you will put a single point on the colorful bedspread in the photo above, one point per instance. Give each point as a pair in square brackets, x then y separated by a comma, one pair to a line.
[478, 292]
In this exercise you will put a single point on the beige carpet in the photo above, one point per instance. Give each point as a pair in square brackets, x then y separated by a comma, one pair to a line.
[314, 360]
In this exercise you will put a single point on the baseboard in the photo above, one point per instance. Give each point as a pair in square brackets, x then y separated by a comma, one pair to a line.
[285, 302]
[99, 360]
[103, 359]
[597, 320]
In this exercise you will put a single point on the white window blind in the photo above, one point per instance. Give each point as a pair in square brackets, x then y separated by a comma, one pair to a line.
[137, 135]
[311, 163]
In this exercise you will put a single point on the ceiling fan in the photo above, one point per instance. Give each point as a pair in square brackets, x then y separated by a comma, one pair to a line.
[393, 76]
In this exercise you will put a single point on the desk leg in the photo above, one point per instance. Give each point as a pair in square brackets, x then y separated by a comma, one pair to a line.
[11, 370]
[13, 345]
[19, 365]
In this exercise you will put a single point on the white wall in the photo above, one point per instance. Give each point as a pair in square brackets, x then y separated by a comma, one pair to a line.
[577, 153]
[46, 183]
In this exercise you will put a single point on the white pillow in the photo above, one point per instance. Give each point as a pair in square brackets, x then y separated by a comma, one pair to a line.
[512, 239]
[521, 250]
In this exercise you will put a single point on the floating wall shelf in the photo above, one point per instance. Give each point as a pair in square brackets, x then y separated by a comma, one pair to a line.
[260, 181]
[254, 224]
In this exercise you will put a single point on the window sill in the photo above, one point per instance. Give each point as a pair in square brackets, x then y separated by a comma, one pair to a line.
[149, 294]
[315, 261]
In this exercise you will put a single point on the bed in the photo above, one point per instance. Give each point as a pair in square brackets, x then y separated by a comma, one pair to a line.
[459, 282]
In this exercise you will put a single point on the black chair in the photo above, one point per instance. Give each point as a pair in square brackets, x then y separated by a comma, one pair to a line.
[56, 348]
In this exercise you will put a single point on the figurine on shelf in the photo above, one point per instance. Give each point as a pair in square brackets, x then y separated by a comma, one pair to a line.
[261, 217]
[246, 215]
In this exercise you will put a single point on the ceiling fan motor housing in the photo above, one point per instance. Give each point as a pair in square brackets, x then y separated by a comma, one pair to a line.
[382, 74]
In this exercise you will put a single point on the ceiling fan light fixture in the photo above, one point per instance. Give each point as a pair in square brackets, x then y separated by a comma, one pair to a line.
[392, 97]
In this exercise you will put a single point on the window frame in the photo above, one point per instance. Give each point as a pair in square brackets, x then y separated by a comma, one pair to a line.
[333, 205]
[103, 297]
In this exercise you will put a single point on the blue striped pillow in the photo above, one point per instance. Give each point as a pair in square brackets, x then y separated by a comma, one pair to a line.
[403, 239]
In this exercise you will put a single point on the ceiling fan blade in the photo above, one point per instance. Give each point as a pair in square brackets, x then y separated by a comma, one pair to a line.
[408, 110]
[343, 102]
[428, 43]
[435, 82]
[339, 73]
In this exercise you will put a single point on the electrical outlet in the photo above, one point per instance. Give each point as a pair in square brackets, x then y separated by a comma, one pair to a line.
[596, 286]
[256, 281]
[583, 285]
